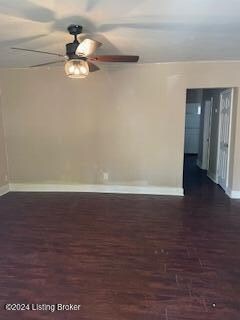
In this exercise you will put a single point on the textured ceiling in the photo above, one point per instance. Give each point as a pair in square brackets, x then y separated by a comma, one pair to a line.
[157, 30]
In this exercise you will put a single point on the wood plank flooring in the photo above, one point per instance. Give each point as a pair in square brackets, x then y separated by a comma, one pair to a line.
[122, 257]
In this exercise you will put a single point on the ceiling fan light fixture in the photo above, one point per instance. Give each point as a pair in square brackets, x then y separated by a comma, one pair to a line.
[79, 55]
[76, 68]
[87, 47]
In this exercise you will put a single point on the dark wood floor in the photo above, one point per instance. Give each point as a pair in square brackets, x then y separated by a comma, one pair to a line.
[122, 256]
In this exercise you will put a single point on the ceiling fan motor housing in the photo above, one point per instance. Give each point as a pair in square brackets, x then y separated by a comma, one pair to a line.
[71, 51]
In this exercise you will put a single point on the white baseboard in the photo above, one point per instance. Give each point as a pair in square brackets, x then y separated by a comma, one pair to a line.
[213, 177]
[199, 164]
[151, 190]
[4, 189]
[233, 194]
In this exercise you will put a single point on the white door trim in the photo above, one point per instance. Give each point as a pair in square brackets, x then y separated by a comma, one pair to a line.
[231, 90]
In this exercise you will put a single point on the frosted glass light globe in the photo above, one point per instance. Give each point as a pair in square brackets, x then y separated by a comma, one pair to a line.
[76, 68]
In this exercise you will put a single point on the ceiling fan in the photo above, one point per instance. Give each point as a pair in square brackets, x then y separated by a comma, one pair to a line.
[79, 59]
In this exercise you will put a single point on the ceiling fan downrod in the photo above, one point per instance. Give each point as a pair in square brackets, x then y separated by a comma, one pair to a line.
[75, 30]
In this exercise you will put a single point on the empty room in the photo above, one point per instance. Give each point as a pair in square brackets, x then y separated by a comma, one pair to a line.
[120, 160]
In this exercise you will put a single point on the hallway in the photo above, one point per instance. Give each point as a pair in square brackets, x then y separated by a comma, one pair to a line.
[197, 184]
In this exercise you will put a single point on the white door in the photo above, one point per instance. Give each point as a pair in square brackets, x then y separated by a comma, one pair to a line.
[207, 133]
[226, 99]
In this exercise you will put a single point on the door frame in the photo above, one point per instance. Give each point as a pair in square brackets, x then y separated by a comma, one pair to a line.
[207, 150]
[229, 136]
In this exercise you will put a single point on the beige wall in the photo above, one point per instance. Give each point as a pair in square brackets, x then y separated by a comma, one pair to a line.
[3, 155]
[127, 121]
[62, 130]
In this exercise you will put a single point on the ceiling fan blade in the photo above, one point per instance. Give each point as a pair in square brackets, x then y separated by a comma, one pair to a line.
[46, 64]
[114, 58]
[92, 67]
[87, 47]
[38, 51]
[29, 11]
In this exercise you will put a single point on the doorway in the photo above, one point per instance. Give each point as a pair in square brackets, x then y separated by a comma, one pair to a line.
[207, 138]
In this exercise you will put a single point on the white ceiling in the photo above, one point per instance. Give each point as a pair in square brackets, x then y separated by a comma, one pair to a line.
[157, 30]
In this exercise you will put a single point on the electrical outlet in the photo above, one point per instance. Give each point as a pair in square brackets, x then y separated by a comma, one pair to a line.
[105, 176]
